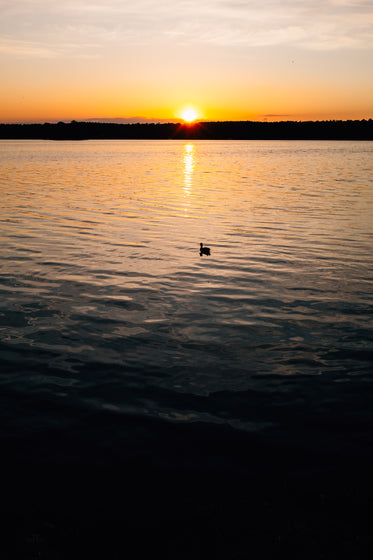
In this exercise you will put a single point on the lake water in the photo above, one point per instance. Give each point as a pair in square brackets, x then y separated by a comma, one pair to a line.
[112, 323]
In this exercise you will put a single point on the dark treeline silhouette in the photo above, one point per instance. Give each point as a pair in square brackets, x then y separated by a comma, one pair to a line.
[224, 130]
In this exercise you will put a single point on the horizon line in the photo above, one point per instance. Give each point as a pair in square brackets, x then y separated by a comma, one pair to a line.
[143, 121]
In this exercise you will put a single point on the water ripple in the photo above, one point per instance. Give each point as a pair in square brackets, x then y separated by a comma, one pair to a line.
[107, 304]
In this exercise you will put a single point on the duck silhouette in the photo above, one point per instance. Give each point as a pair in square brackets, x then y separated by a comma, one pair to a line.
[204, 250]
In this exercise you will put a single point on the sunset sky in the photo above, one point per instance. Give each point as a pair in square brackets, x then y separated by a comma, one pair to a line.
[227, 59]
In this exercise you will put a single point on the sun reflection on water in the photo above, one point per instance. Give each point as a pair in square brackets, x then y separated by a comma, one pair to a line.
[189, 164]
[188, 169]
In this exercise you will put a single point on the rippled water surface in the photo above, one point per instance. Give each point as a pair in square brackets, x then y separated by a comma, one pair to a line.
[106, 303]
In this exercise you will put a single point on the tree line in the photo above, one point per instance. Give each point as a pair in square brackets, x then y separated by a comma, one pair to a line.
[221, 130]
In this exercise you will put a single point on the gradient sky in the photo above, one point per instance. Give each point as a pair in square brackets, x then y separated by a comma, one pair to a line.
[230, 59]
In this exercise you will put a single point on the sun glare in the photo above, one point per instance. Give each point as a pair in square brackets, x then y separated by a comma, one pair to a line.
[189, 114]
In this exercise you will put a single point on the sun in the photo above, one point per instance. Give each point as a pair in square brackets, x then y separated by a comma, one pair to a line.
[189, 114]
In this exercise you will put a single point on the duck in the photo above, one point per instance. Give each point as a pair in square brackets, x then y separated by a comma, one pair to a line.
[204, 250]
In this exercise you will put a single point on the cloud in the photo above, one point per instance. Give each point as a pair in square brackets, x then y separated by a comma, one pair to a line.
[25, 48]
[50, 26]
[312, 24]
[133, 120]
[31, 49]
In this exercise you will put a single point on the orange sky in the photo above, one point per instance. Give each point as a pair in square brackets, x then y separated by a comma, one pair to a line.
[275, 60]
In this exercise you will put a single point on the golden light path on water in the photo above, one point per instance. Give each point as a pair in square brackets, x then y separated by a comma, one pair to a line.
[189, 164]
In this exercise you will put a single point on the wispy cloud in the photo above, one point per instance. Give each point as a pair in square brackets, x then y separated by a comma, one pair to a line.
[22, 49]
[309, 24]
[49, 26]
[25, 48]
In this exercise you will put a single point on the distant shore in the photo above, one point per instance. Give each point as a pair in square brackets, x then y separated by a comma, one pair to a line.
[224, 130]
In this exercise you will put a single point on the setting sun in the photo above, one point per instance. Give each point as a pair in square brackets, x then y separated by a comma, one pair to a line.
[189, 114]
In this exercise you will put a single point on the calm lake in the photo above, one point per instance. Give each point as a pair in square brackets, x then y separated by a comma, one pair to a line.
[109, 316]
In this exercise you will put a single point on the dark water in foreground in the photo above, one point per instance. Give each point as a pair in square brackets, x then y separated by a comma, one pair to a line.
[123, 349]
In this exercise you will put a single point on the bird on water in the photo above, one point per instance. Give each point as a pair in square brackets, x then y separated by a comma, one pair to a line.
[204, 250]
